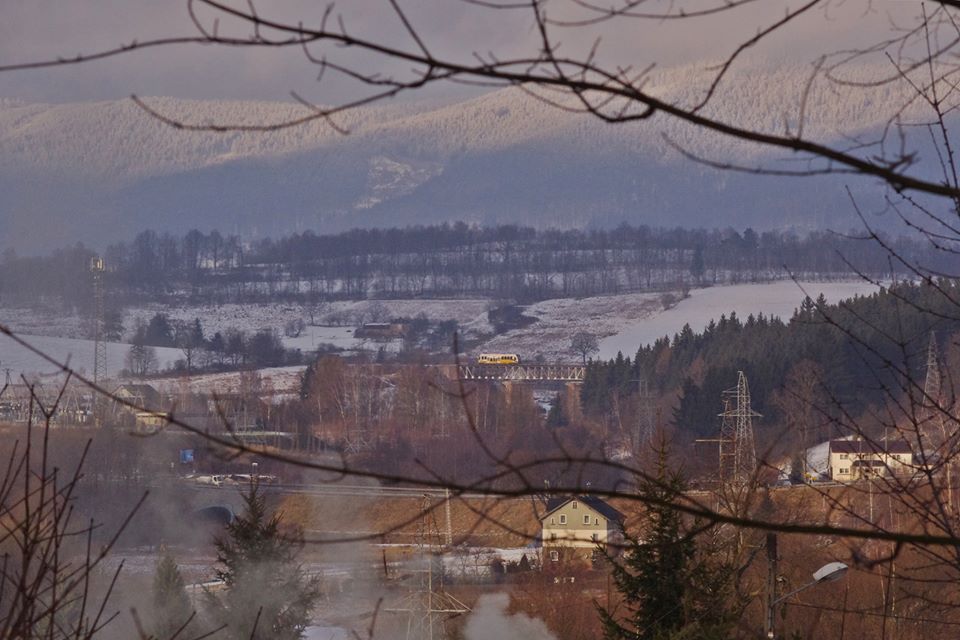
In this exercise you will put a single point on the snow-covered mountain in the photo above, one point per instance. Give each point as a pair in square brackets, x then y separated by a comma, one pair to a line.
[101, 171]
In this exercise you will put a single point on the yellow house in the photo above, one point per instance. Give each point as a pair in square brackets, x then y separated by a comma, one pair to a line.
[579, 523]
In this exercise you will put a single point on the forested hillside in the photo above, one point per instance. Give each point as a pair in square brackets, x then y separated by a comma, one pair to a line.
[832, 363]
[444, 261]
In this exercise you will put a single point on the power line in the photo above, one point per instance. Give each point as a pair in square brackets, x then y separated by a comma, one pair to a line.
[867, 612]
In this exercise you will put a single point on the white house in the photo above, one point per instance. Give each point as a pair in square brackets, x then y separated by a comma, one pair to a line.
[852, 460]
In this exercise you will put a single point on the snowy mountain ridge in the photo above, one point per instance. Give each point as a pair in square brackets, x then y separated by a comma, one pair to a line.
[99, 171]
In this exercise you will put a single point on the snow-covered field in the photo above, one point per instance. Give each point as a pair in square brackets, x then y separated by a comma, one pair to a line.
[313, 337]
[275, 381]
[77, 352]
[333, 315]
[775, 299]
[621, 322]
[337, 317]
[559, 320]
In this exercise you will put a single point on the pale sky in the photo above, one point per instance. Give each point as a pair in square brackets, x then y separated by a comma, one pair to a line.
[41, 29]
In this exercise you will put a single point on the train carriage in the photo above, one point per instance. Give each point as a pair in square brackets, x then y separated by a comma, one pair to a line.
[498, 358]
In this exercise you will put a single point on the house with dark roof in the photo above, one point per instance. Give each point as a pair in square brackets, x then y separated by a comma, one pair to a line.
[144, 396]
[852, 460]
[579, 523]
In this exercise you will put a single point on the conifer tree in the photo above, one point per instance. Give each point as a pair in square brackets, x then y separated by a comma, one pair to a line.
[172, 611]
[267, 594]
[669, 591]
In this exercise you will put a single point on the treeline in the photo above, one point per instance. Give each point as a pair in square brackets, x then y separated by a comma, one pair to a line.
[507, 262]
[825, 365]
[227, 350]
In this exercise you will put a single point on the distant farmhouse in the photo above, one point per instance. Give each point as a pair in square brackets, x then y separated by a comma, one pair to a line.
[852, 460]
[147, 417]
[580, 523]
[381, 331]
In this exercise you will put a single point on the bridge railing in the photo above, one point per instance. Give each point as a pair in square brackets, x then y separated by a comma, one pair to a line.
[523, 372]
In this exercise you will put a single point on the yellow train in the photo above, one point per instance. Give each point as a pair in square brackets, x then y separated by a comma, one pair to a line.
[498, 358]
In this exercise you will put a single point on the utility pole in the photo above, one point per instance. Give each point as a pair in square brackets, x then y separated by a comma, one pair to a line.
[446, 507]
[771, 585]
[99, 346]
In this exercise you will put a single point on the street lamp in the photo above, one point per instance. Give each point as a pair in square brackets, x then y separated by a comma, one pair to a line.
[827, 573]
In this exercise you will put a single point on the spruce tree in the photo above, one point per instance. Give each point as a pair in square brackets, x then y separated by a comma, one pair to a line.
[669, 591]
[172, 610]
[267, 596]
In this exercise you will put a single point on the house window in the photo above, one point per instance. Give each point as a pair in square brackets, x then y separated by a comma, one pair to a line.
[574, 504]
[586, 518]
[844, 456]
[596, 521]
[554, 556]
[595, 537]
[844, 471]
[563, 518]
[553, 537]
[553, 521]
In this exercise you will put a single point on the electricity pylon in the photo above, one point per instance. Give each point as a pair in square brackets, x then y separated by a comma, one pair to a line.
[738, 453]
[427, 606]
[99, 346]
[932, 424]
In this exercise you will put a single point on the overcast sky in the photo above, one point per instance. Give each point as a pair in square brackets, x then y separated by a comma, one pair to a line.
[42, 29]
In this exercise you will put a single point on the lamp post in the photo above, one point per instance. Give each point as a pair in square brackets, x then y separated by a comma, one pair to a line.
[827, 573]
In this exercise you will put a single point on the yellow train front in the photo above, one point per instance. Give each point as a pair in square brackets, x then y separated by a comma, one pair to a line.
[498, 358]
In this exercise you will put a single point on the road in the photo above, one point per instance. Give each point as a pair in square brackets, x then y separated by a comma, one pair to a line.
[339, 489]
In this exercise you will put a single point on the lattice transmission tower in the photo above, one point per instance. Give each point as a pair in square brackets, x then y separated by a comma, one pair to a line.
[427, 606]
[934, 429]
[932, 384]
[99, 345]
[738, 452]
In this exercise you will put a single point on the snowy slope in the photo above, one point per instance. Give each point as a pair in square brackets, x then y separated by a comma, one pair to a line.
[102, 171]
[778, 299]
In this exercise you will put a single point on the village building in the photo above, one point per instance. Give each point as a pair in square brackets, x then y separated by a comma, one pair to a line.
[381, 331]
[142, 396]
[146, 404]
[852, 460]
[582, 524]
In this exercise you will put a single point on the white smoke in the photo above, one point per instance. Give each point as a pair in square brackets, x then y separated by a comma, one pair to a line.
[490, 621]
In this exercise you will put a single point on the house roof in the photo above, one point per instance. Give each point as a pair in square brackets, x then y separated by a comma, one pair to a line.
[593, 502]
[864, 446]
[133, 388]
